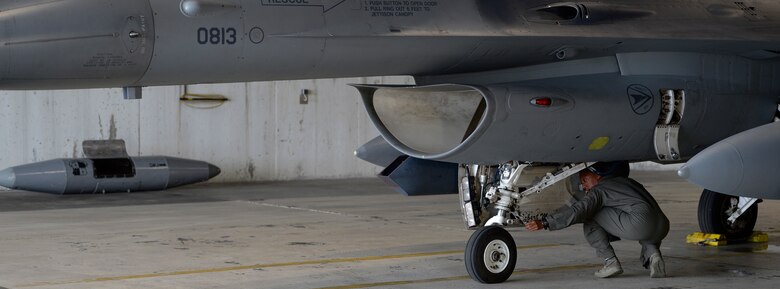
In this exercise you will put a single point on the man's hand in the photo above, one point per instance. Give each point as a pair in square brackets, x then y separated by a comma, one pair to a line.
[534, 225]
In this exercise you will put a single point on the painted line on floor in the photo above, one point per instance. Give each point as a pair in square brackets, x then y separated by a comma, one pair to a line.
[298, 208]
[261, 266]
[457, 278]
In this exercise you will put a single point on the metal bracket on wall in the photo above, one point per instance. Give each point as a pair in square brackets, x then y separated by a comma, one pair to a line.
[305, 96]
[202, 101]
[132, 92]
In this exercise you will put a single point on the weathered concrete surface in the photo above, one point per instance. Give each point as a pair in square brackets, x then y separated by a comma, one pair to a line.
[315, 234]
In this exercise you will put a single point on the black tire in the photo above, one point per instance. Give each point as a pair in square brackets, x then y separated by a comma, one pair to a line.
[477, 248]
[714, 219]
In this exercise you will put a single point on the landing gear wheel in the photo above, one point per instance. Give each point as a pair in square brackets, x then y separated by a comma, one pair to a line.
[714, 211]
[491, 255]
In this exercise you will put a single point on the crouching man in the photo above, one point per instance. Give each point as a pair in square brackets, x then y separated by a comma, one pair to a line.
[614, 207]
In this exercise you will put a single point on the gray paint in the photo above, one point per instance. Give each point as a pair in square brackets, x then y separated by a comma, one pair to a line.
[377, 151]
[416, 177]
[589, 107]
[741, 165]
[74, 44]
[578, 67]
[74, 176]
[157, 42]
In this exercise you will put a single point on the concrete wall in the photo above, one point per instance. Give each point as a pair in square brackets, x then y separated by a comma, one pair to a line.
[261, 133]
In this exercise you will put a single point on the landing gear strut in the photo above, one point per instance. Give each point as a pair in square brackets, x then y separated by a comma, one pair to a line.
[735, 217]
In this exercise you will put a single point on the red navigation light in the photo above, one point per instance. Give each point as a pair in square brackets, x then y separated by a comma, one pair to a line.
[542, 101]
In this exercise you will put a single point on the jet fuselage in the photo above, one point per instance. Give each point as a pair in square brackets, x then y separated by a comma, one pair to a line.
[104, 43]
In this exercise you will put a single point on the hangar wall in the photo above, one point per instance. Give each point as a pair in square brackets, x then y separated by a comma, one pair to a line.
[262, 133]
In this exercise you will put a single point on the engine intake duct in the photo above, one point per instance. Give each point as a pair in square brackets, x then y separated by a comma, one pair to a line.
[424, 121]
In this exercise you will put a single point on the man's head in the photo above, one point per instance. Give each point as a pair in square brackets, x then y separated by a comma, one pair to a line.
[589, 179]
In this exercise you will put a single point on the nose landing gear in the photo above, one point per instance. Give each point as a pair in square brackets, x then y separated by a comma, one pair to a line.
[491, 255]
[491, 198]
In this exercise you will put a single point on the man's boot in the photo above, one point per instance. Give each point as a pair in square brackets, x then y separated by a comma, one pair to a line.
[657, 267]
[611, 268]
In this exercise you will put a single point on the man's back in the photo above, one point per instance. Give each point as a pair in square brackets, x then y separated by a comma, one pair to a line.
[626, 195]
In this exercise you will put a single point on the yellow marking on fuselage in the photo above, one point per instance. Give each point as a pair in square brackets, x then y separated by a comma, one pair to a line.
[598, 143]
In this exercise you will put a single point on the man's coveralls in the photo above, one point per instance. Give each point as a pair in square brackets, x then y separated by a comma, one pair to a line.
[616, 206]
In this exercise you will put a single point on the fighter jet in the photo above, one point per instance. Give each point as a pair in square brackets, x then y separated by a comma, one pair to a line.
[520, 95]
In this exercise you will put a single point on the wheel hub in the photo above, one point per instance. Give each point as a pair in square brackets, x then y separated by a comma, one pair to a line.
[496, 256]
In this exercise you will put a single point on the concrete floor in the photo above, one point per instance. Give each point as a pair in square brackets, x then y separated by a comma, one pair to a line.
[331, 234]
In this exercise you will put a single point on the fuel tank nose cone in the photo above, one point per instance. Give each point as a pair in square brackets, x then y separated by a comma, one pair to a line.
[7, 178]
[214, 171]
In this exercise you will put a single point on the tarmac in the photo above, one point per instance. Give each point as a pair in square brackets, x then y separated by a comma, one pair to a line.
[355, 233]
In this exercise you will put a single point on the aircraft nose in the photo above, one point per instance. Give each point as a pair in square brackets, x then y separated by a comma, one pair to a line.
[7, 178]
[213, 171]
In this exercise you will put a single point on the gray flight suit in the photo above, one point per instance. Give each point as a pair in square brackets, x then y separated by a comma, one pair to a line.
[616, 206]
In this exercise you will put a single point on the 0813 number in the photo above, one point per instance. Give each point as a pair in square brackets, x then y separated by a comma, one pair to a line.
[216, 35]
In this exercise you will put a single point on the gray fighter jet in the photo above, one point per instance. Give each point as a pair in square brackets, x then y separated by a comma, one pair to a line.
[507, 88]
